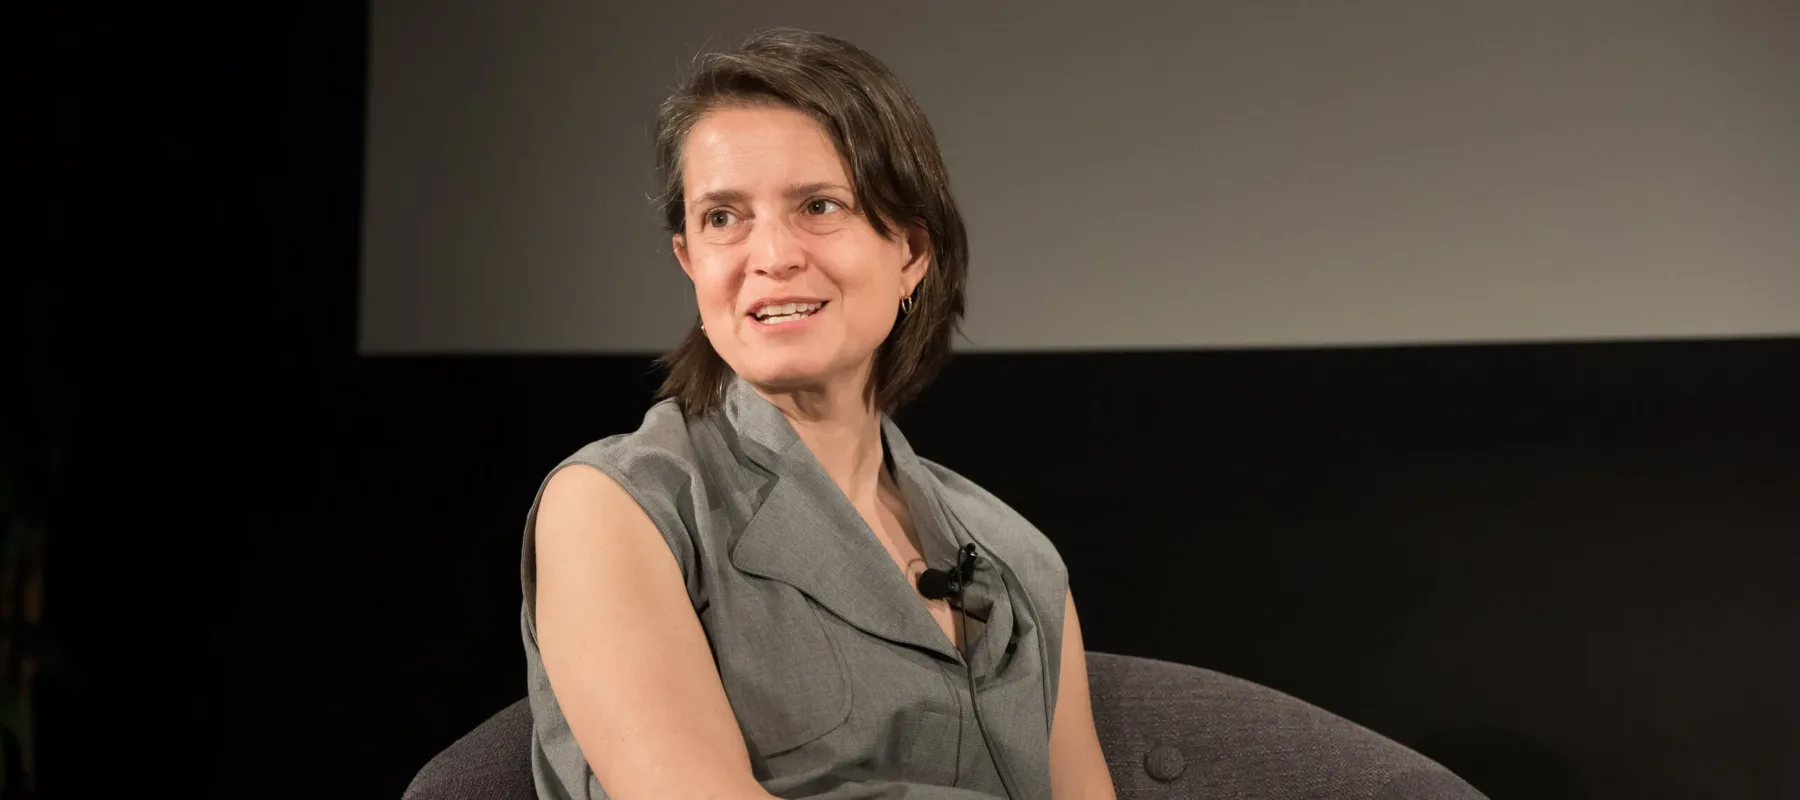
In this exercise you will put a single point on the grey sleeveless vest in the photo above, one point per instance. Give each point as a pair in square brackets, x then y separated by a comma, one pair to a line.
[842, 683]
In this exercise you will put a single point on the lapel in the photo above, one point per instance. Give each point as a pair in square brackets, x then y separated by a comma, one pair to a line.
[805, 533]
[990, 595]
[941, 527]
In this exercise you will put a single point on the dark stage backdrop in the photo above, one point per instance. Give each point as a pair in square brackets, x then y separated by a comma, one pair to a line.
[282, 571]
[1563, 570]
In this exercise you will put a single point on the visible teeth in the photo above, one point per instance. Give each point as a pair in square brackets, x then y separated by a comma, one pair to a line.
[780, 312]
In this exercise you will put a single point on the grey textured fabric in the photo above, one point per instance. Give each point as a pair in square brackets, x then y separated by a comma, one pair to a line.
[842, 683]
[491, 762]
[1169, 731]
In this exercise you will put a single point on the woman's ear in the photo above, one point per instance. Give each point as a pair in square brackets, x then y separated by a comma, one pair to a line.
[679, 243]
[918, 258]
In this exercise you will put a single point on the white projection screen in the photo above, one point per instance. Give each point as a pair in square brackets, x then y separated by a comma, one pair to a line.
[1134, 176]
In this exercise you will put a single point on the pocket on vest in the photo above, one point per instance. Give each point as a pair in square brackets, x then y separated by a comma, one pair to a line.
[928, 743]
[785, 679]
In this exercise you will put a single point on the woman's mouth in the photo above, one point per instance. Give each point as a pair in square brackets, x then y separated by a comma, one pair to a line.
[781, 313]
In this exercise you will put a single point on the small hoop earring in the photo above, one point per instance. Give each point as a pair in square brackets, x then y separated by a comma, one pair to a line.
[906, 304]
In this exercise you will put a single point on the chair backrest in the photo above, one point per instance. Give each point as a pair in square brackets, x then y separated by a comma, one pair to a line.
[1168, 730]
[491, 762]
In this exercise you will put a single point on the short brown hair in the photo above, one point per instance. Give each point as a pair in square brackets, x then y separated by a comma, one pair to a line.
[896, 173]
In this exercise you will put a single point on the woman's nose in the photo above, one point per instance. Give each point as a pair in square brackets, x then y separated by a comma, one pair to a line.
[775, 249]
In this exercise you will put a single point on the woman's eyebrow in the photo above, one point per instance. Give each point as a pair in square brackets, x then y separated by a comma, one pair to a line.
[720, 196]
[735, 196]
[804, 189]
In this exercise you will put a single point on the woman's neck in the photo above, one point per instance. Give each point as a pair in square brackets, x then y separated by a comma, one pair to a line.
[843, 431]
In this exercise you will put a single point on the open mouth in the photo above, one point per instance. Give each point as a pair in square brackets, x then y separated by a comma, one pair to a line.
[778, 313]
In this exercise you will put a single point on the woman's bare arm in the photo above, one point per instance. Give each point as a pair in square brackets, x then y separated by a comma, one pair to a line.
[625, 652]
[1077, 767]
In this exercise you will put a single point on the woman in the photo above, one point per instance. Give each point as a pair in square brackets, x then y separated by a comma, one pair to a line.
[733, 601]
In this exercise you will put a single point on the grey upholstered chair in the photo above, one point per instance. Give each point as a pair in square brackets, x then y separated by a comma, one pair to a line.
[1169, 731]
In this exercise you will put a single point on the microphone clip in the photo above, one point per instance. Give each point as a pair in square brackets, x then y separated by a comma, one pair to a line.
[937, 584]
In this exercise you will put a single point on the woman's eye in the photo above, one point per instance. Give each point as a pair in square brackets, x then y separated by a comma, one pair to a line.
[718, 218]
[822, 206]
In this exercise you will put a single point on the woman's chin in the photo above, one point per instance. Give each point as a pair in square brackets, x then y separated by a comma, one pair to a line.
[791, 376]
[787, 380]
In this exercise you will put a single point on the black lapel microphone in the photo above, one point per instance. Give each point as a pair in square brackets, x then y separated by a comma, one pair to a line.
[937, 584]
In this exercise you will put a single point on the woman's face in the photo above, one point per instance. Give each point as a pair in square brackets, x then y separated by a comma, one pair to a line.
[795, 288]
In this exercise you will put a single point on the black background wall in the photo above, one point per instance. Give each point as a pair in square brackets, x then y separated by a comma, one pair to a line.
[1564, 570]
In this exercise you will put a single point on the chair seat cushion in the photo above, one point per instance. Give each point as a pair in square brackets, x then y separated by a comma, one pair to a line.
[1168, 731]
